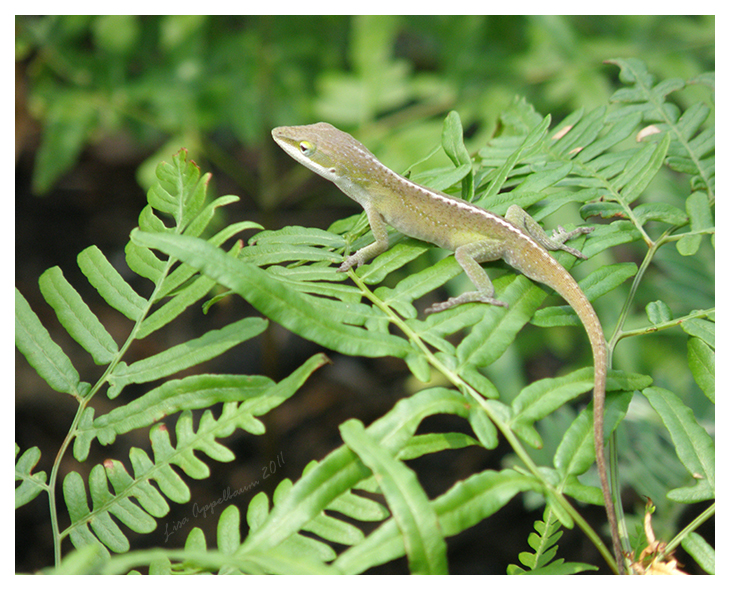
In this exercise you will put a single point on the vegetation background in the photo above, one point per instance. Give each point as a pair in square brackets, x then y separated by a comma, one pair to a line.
[100, 100]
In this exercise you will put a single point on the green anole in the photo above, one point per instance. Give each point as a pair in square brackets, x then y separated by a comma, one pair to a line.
[472, 233]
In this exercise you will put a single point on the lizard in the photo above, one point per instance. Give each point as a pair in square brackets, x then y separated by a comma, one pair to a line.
[475, 235]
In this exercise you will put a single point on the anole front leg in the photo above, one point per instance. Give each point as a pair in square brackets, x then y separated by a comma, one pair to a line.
[380, 245]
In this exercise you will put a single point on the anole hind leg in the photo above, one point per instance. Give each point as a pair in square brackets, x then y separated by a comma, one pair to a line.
[469, 256]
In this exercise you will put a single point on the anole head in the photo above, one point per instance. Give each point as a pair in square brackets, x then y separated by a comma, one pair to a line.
[324, 149]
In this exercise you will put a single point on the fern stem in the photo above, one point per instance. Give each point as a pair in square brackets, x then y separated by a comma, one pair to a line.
[511, 438]
[692, 526]
[58, 536]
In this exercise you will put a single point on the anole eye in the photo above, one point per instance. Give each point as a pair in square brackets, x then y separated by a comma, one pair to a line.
[306, 148]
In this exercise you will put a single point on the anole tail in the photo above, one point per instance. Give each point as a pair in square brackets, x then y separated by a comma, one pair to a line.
[577, 299]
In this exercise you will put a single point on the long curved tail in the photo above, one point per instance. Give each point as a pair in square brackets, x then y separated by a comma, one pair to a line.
[579, 302]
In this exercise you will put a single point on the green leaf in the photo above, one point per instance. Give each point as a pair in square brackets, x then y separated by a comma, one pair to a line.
[576, 451]
[701, 551]
[606, 279]
[295, 235]
[531, 142]
[394, 258]
[359, 507]
[42, 353]
[536, 184]
[702, 329]
[642, 170]
[499, 327]
[149, 498]
[433, 443]
[440, 179]
[144, 263]
[268, 253]
[229, 530]
[701, 360]
[658, 312]
[110, 284]
[183, 356]
[484, 428]
[543, 397]
[452, 140]
[557, 568]
[614, 133]
[183, 273]
[416, 284]
[605, 210]
[663, 212]
[608, 236]
[121, 507]
[196, 540]
[700, 217]
[180, 192]
[282, 563]
[76, 317]
[186, 297]
[578, 131]
[74, 494]
[425, 547]
[202, 220]
[598, 283]
[335, 530]
[258, 510]
[694, 446]
[31, 484]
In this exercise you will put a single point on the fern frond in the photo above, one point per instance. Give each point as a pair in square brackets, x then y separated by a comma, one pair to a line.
[96, 525]
[415, 517]
[181, 357]
[258, 395]
[328, 485]
[692, 149]
[181, 194]
[544, 543]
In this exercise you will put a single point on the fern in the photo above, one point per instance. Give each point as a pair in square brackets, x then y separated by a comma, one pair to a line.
[180, 194]
[544, 542]
[590, 159]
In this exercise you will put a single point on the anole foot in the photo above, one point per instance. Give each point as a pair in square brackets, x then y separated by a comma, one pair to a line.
[471, 297]
[560, 236]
